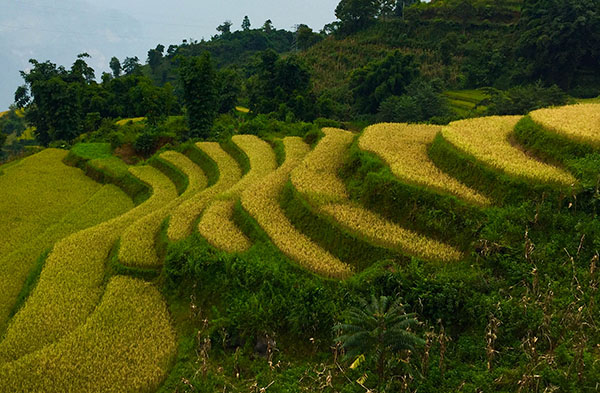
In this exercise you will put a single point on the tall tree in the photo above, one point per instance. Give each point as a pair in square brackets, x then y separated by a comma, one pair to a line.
[155, 57]
[228, 86]
[246, 23]
[267, 26]
[56, 105]
[115, 66]
[401, 6]
[378, 80]
[132, 66]
[225, 28]
[22, 96]
[305, 37]
[356, 14]
[280, 81]
[199, 93]
[80, 71]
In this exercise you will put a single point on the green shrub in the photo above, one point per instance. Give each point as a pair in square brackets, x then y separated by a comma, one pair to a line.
[146, 143]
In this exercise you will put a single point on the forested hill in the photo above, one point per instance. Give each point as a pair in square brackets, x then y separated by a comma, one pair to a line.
[454, 44]
[402, 61]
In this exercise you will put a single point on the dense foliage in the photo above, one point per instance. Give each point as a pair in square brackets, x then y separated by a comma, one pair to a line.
[383, 60]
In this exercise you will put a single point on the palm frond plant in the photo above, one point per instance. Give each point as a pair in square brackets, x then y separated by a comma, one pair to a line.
[378, 328]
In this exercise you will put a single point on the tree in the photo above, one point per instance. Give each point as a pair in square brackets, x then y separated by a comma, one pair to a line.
[132, 66]
[401, 5]
[57, 113]
[559, 39]
[171, 50]
[22, 96]
[225, 28]
[199, 93]
[267, 26]
[466, 12]
[386, 8]
[80, 71]
[115, 66]
[228, 86]
[280, 81]
[12, 123]
[153, 102]
[420, 103]
[155, 57]
[305, 37]
[373, 83]
[57, 98]
[356, 14]
[380, 329]
[246, 23]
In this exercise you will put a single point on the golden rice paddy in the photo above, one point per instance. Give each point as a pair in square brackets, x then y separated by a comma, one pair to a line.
[580, 122]
[403, 147]
[487, 139]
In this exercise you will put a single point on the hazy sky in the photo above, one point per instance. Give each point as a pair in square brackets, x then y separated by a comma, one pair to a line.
[59, 30]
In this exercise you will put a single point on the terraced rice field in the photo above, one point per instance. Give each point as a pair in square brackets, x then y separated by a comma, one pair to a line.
[106, 203]
[64, 201]
[133, 120]
[580, 122]
[403, 147]
[316, 178]
[138, 246]
[216, 224]
[261, 202]
[487, 139]
[124, 346]
[71, 283]
[84, 329]
[465, 102]
[183, 217]
[218, 228]
[58, 189]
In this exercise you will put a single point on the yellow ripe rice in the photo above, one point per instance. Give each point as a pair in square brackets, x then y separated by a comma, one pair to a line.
[261, 202]
[183, 217]
[387, 234]
[487, 139]
[324, 162]
[137, 247]
[124, 346]
[580, 122]
[72, 280]
[403, 147]
[216, 225]
[105, 204]
[316, 177]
